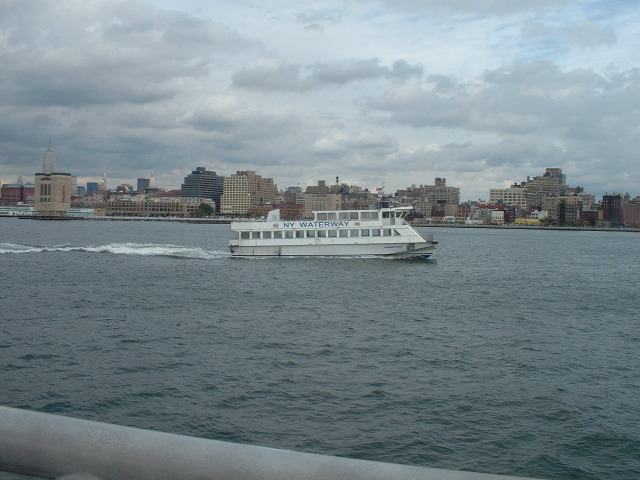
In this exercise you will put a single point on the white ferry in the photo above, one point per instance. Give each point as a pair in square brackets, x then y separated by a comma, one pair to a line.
[381, 232]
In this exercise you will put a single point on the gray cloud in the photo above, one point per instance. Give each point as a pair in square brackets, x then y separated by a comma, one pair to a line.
[272, 75]
[479, 157]
[586, 35]
[315, 20]
[341, 72]
[487, 7]
[417, 106]
[119, 54]
[523, 98]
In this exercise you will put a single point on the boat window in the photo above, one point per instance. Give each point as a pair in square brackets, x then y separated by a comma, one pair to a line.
[311, 233]
[299, 233]
[400, 214]
[322, 216]
[277, 234]
[364, 232]
[333, 216]
[322, 233]
[374, 215]
[266, 234]
[244, 235]
[343, 233]
[333, 233]
[353, 215]
[387, 232]
[385, 214]
[396, 232]
[375, 232]
[343, 215]
[288, 234]
[255, 234]
[365, 215]
[354, 233]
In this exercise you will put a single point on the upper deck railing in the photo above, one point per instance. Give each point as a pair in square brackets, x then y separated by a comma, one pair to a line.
[53, 446]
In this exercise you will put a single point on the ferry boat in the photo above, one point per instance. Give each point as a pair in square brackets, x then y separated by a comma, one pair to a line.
[381, 232]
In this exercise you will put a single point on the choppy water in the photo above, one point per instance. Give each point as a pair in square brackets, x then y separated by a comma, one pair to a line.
[513, 352]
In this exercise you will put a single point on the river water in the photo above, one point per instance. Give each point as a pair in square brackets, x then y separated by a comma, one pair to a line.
[513, 351]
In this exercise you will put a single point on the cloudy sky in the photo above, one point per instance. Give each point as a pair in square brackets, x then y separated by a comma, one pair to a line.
[377, 93]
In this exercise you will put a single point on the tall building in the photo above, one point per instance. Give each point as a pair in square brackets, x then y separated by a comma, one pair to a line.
[49, 161]
[102, 186]
[143, 184]
[202, 183]
[92, 187]
[551, 183]
[440, 192]
[515, 195]
[612, 210]
[244, 190]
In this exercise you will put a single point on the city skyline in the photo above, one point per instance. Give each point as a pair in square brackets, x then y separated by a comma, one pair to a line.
[376, 93]
[485, 198]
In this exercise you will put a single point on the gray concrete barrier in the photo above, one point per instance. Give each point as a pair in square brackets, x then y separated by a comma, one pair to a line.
[54, 446]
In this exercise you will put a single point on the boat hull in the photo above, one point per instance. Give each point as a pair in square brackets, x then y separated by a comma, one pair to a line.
[397, 250]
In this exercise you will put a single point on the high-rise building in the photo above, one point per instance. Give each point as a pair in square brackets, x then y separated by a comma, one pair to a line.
[143, 184]
[202, 183]
[612, 209]
[440, 192]
[515, 195]
[244, 190]
[92, 187]
[103, 186]
[551, 183]
[49, 161]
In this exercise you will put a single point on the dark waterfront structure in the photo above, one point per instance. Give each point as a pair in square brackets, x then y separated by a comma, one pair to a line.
[612, 210]
[202, 183]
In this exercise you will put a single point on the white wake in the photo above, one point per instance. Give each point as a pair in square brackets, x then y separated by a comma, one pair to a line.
[138, 249]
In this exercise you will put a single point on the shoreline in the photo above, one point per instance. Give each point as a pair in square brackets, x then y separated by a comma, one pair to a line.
[530, 227]
[226, 221]
[123, 219]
